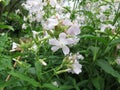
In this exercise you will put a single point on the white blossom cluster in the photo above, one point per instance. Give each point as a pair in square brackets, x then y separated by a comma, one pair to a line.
[35, 9]
[75, 67]
[59, 15]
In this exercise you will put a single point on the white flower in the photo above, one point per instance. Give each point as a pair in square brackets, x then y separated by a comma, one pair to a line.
[74, 29]
[62, 42]
[118, 46]
[102, 17]
[24, 18]
[24, 26]
[76, 67]
[53, 3]
[68, 3]
[50, 23]
[74, 40]
[79, 56]
[104, 26]
[34, 47]
[35, 8]
[111, 26]
[35, 34]
[55, 83]
[17, 11]
[14, 47]
[43, 62]
[67, 22]
[104, 8]
[118, 60]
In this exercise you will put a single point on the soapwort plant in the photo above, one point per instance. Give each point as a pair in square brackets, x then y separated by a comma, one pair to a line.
[60, 45]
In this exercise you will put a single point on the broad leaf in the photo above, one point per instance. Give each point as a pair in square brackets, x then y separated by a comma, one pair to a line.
[6, 27]
[25, 78]
[108, 69]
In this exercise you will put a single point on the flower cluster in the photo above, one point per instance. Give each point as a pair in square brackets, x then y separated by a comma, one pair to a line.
[35, 9]
[61, 21]
[75, 66]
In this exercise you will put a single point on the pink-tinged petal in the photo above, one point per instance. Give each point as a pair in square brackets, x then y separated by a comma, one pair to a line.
[65, 50]
[55, 48]
[67, 22]
[53, 42]
[62, 36]
[77, 67]
[74, 30]
[53, 21]
[53, 3]
[70, 41]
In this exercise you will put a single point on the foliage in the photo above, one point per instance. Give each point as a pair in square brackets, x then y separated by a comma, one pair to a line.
[54, 46]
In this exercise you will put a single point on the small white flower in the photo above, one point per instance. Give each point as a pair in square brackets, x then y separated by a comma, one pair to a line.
[14, 47]
[67, 22]
[35, 8]
[50, 23]
[104, 8]
[24, 26]
[118, 46]
[74, 29]
[76, 67]
[118, 60]
[62, 42]
[104, 26]
[35, 34]
[24, 18]
[79, 56]
[17, 11]
[102, 17]
[43, 62]
[111, 26]
[55, 83]
[53, 3]
[34, 47]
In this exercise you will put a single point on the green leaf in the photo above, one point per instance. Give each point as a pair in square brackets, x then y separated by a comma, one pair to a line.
[82, 83]
[25, 78]
[108, 69]
[3, 42]
[66, 87]
[5, 62]
[20, 88]
[8, 83]
[116, 41]
[50, 86]
[6, 27]
[116, 18]
[98, 83]
[101, 39]
[38, 68]
[6, 2]
[94, 51]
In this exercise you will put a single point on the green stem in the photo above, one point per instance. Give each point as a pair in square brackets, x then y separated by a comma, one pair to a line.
[117, 15]
[116, 35]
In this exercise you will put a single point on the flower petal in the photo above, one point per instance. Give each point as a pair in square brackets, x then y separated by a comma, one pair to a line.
[62, 36]
[67, 22]
[53, 42]
[77, 67]
[74, 30]
[65, 50]
[55, 48]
